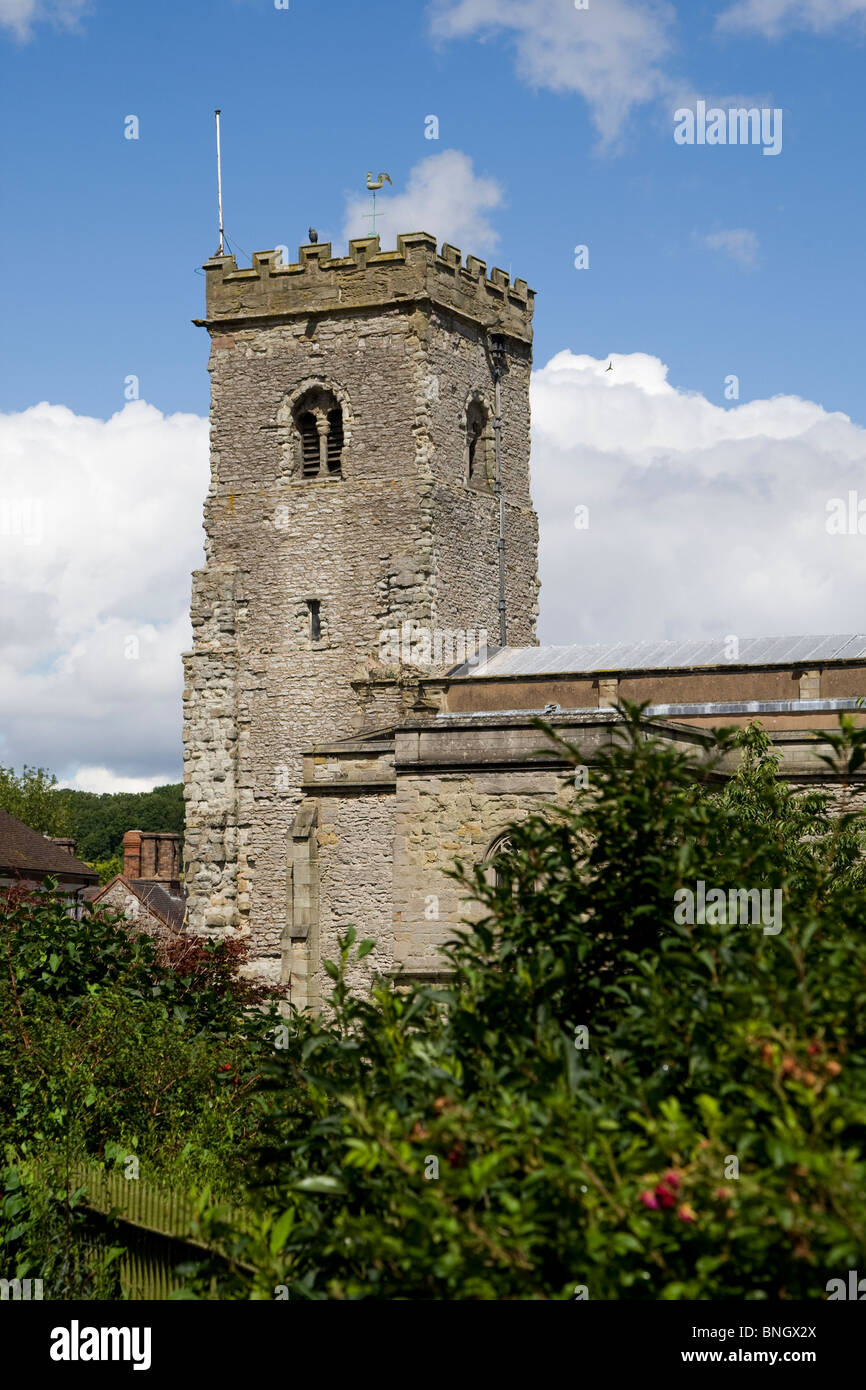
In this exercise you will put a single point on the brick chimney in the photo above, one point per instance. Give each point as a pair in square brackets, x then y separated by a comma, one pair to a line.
[63, 842]
[153, 856]
[132, 854]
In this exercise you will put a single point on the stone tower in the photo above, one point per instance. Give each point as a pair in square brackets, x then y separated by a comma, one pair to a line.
[352, 492]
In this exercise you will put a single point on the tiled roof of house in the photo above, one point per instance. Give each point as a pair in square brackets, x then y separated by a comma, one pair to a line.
[160, 902]
[154, 896]
[25, 851]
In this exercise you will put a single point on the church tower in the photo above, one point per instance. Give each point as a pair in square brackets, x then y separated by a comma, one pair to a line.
[353, 495]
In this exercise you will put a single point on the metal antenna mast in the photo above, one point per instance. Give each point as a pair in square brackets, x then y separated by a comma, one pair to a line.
[222, 245]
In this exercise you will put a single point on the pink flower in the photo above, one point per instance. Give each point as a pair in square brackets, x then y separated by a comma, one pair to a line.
[671, 1179]
[687, 1212]
[649, 1200]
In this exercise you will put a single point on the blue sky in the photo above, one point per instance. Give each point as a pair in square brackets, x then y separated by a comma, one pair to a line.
[708, 512]
[103, 235]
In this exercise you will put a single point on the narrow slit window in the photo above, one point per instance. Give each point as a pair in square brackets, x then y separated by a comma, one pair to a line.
[474, 436]
[314, 606]
[476, 443]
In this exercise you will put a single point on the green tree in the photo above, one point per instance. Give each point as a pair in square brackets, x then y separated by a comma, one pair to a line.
[108, 868]
[99, 821]
[96, 821]
[32, 797]
[604, 1098]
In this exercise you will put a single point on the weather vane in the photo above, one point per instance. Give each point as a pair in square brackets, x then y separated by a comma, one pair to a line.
[374, 185]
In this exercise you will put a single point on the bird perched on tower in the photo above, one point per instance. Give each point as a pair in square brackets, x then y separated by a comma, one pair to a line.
[314, 235]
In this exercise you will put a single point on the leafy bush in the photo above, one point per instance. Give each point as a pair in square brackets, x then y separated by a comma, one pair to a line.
[706, 1143]
[605, 1097]
[113, 1046]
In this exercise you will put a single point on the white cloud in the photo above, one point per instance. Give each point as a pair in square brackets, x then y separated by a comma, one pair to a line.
[102, 779]
[100, 527]
[703, 521]
[613, 54]
[20, 15]
[740, 244]
[774, 17]
[443, 196]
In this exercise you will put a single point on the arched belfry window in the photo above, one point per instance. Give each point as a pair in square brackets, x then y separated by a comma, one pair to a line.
[496, 852]
[318, 418]
[479, 444]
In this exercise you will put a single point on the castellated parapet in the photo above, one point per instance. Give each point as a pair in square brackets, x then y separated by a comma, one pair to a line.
[318, 282]
[351, 496]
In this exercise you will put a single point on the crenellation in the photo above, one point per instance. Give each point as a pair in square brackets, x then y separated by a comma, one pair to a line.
[319, 282]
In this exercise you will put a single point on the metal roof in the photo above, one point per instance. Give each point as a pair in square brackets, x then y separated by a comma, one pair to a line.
[663, 656]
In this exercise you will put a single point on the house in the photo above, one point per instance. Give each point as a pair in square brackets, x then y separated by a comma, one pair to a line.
[148, 892]
[28, 858]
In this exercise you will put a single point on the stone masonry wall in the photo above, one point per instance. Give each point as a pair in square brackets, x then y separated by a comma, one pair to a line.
[439, 819]
[466, 519]
[355, 858]
[210, 737]
[437, 811]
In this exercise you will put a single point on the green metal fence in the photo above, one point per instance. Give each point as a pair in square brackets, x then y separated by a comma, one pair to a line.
[136, 1201]
[147, 1269]
[154, 1225]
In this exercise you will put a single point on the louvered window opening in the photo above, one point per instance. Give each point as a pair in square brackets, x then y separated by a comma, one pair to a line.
[309, 445]
[335, 440]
